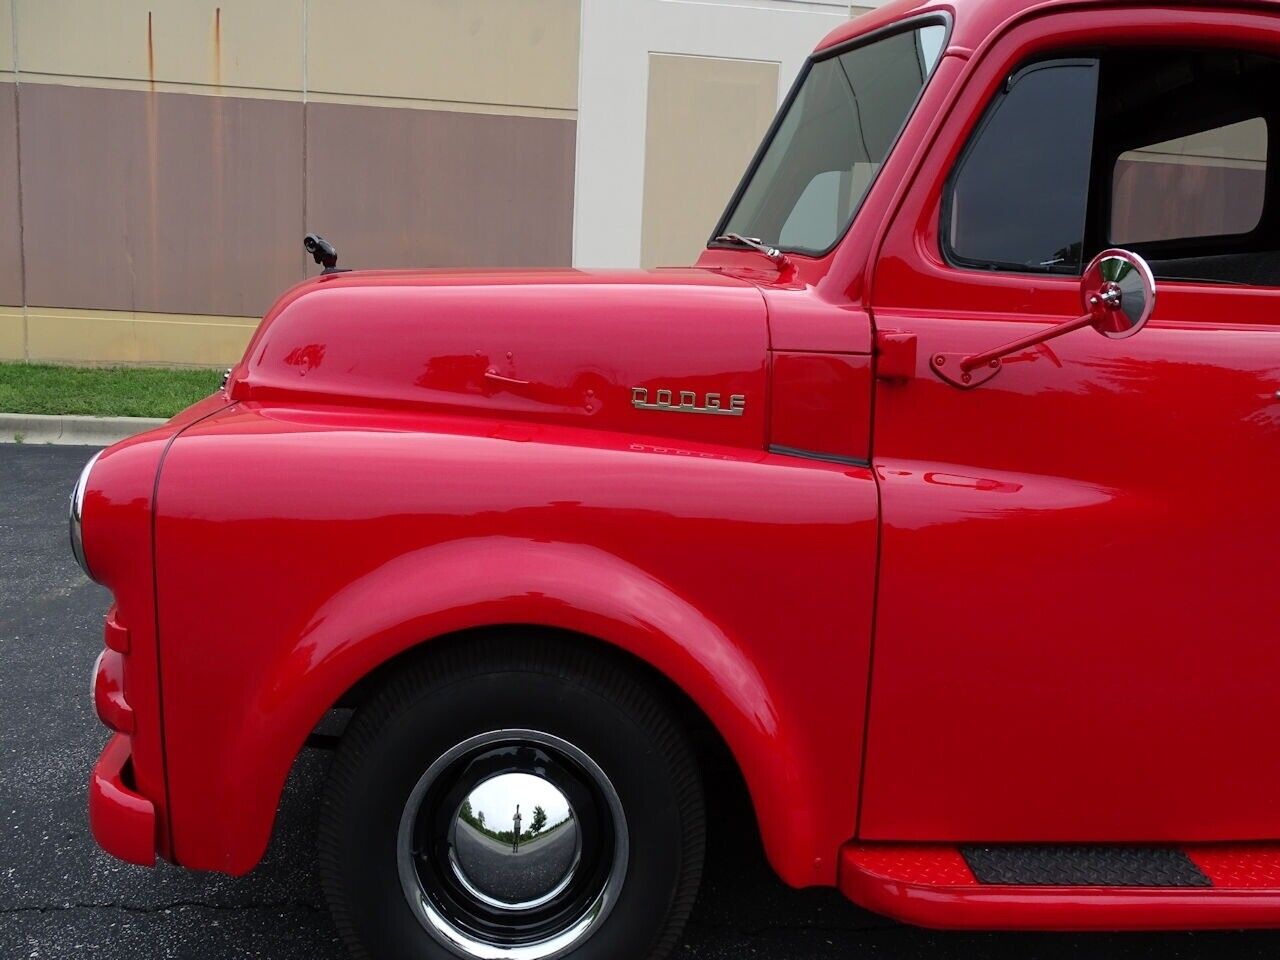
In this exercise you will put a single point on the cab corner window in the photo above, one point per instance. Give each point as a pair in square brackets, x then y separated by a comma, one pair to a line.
[1019, 196]
[829, 144]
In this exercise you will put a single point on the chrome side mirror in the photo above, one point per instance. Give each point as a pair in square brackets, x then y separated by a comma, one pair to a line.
[1118, 293]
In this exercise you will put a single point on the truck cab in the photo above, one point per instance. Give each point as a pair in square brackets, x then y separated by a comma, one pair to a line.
[938, 493]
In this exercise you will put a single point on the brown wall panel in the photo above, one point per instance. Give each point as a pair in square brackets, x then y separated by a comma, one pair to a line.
[10, 236]
[160, 202]
[405, 188]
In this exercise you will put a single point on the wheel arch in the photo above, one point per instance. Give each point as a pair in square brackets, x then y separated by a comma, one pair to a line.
[445, 593]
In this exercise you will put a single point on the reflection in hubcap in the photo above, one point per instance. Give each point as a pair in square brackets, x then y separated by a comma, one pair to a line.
[512, 846]
[515, 844]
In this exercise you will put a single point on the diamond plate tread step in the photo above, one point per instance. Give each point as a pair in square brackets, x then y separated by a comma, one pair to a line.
[928, 865]
[1204, 886]
[1238, 866]
[1084, 866]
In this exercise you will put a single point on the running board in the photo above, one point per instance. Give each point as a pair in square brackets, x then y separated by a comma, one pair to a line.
[1067, 887]
[1084, 866]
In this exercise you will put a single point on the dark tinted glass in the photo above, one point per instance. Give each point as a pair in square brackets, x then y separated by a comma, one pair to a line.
[831, 143]
[1020, 195]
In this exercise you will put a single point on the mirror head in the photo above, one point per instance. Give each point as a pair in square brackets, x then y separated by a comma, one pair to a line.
[1119, 291]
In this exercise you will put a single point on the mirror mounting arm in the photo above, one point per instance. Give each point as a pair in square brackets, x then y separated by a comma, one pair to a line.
[1118, 293]
[968, 370]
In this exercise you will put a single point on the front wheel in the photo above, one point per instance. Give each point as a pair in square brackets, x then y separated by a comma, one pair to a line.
[513, 798]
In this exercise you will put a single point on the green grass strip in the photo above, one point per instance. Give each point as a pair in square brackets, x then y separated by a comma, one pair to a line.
[102, 391]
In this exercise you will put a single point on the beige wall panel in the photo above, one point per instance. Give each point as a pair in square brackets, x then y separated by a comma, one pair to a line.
[425, 188]
[12, 339]
[705, 118]
[164, 202]
[6, 35]
[522, 52]
[10, 235]
[75, 336]
[252, 43]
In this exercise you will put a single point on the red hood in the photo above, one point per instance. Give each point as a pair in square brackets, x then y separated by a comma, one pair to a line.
[558, 346]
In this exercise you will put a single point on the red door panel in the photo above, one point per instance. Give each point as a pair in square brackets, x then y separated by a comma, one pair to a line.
[1077, 613]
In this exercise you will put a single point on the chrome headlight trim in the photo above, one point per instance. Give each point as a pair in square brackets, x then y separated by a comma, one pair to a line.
[76, 515]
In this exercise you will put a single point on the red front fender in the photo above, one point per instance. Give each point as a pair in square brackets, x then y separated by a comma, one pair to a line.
[744, 578]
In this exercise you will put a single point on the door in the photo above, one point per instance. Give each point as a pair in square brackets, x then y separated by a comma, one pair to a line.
[1078, 622]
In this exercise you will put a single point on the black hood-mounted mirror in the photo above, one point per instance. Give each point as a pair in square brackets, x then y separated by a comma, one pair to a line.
[323, 252]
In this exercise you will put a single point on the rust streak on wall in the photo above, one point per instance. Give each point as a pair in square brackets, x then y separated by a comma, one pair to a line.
[217, 46]
[217, 139]
[151, 54]
[153, 168]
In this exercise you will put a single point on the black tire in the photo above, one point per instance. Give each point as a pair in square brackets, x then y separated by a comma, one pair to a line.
[591, 699]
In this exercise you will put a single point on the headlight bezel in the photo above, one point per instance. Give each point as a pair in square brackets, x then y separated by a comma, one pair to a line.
[75, 517]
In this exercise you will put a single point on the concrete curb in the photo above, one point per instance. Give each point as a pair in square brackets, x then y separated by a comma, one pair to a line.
[85, 431]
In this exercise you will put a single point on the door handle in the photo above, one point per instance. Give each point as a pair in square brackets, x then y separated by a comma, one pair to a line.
[496, 377]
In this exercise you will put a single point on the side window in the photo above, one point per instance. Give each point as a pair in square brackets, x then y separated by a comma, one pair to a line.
[1020, 194]
[1209, 183]
[1168, 152]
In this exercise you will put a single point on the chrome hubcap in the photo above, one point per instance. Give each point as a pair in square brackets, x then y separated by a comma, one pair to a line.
[515, 844]
[512, 845]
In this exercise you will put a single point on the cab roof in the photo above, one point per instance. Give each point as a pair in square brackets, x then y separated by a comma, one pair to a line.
[973, 20]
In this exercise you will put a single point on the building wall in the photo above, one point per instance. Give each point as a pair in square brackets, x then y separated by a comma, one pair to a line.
[704, 119]
[630, 206]
[160, 160]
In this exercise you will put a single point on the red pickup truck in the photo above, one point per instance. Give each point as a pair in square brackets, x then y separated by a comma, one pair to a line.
[882, 495]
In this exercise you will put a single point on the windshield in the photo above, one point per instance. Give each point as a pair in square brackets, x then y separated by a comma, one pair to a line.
[832, 140]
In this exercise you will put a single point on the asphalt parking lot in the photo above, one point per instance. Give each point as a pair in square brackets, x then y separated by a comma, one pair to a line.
[61, 897]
